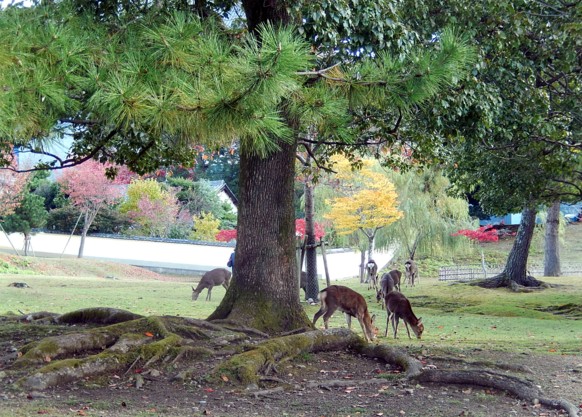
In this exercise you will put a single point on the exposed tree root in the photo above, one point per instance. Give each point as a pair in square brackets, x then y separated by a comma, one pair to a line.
[246, 367]
[504, 281]
[113, 348]
[521, 388]
[143, 342]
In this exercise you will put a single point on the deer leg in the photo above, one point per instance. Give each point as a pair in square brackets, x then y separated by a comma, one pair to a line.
[366, 335]
[209, 294]
[395, 320]
[349, 321]
[319, 313]
[328, 313]
[388, 316]
[407, 330]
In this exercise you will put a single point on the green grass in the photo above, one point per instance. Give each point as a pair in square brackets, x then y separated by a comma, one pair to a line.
[455, 315]
[462, 316]
[63, 294]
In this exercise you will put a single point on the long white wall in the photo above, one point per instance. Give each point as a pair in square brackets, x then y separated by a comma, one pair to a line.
[341, 264]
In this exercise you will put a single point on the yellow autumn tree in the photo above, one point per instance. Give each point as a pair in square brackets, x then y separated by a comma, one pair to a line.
[367, 201]
[205, 227]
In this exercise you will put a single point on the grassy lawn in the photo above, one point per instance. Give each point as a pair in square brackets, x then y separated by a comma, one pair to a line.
[455, 315]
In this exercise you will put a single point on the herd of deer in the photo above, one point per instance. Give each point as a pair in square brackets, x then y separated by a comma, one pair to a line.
[349, 301]
[388, 292]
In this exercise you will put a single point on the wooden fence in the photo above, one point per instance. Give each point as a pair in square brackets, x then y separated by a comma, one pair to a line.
[472, 272]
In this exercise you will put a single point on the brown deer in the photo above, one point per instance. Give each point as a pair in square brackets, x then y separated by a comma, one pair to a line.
[372, 272]
[218, 276]
[351, 303]
[388, 283]
[398, 307]
[410, 272]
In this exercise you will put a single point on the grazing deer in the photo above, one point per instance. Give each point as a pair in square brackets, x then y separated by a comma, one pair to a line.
[351, 303]
[372, 274]
[218, 276]
[388, 283]
[398, 307]
[410, 272]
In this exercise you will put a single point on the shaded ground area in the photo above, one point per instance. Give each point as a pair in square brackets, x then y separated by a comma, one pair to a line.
[338, 383]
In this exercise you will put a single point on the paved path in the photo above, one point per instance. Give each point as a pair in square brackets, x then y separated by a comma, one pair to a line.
[179, 257]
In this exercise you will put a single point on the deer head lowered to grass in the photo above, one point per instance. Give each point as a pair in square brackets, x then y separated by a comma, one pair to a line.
[218, 276]
[398, 307]
[351, 303]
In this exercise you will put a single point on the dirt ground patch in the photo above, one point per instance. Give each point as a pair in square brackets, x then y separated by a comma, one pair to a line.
[361, 387]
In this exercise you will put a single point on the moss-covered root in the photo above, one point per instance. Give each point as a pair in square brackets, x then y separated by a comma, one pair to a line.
[245, 368]
[119, 356]
[394, 356]
[51, 348]
[98, 315]
[69, 370]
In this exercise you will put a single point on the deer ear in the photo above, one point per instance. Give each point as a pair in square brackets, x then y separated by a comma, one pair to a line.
[193, 289]
[373, 318]
[419, 319]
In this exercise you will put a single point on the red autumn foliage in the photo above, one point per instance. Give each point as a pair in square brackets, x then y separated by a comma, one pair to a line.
[300, 229]
[226, 235]
[482, 234]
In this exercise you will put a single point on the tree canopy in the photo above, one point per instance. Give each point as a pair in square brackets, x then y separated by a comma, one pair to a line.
[141, 91]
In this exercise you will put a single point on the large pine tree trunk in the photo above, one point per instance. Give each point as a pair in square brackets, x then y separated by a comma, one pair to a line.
[552, 247]
[264, 291]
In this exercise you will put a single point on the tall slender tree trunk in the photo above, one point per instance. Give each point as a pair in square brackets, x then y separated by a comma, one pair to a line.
[516, 266]
[362, 266]
[552, 266]
[27, 239]
[371, 245]
[312, 285]
[84, 230]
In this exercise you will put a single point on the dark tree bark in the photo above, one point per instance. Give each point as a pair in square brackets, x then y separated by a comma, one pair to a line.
[552, 246]
[515, 272]
[312, 285]
[264, 290]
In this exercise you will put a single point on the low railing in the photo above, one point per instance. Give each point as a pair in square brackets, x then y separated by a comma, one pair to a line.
[473, 272]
